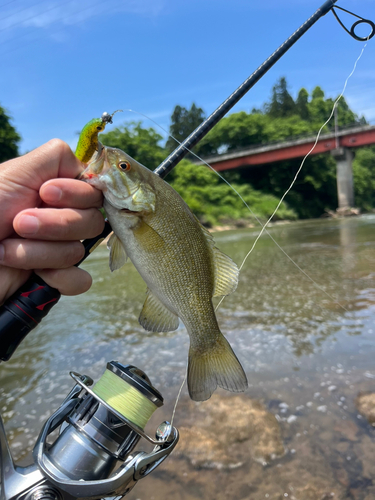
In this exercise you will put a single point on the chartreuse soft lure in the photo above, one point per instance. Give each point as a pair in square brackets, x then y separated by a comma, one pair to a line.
[88, 138]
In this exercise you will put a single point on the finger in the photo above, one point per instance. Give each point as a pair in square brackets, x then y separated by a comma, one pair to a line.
[21, 178]
[33, 254]
[53, 159]
[59, 224]
[70, 193]
[70, 281]
[11, 279]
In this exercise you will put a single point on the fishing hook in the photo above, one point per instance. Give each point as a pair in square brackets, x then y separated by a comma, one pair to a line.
[352, 29]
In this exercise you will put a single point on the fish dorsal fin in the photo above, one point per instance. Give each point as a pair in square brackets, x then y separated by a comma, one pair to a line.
[155, 317]
[117, 254]
[226, 271]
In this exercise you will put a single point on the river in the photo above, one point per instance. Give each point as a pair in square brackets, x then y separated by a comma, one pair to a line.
[308, 353]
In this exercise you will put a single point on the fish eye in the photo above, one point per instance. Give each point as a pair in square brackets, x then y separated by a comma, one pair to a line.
[124, 165]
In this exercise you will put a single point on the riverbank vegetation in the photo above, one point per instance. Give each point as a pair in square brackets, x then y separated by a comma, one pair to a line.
[282, 117]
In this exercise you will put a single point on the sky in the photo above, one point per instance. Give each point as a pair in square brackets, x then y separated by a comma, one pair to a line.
[65, 62]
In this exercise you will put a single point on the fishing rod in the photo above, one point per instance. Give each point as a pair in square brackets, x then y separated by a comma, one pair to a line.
[93, 455]
[182, 150]
[26, 308]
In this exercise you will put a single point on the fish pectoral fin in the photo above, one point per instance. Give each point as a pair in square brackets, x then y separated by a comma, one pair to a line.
[212, 367]
[156, 317]
[148, 238]
[117, 254]
[226, 274]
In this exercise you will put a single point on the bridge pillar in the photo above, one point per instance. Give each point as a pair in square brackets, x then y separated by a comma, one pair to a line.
[344, 175]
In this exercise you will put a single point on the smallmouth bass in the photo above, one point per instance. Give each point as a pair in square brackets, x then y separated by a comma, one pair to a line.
[177, 258]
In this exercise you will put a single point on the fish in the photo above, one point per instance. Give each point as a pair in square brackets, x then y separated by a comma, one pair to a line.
[178, 260]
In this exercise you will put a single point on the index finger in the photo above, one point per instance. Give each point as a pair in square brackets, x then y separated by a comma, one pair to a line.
[70, 193]
[21, 178]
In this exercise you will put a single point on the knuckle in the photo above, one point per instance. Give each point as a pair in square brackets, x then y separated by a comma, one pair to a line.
[58, 146]
[15, 255]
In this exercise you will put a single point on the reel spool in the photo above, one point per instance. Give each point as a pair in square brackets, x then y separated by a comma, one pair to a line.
[128, 390]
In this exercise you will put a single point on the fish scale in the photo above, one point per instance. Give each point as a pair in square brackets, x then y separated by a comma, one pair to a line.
[178, 261]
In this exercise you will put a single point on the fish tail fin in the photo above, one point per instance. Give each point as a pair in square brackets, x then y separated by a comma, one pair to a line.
[216, 366]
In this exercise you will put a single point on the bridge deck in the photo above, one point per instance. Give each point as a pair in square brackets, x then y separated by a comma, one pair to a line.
[270, 153]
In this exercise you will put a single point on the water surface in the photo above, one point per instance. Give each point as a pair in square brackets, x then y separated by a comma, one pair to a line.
[307, 355]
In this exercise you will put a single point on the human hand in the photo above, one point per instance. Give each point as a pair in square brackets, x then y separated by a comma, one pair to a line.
[45, 212]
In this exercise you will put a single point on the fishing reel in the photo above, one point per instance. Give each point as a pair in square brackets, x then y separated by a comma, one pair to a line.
[86, 448]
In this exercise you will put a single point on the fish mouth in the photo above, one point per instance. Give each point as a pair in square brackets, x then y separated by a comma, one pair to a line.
[130, 212]
[94, 166]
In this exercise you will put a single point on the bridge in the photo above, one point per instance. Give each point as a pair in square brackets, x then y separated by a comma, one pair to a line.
[339, 144]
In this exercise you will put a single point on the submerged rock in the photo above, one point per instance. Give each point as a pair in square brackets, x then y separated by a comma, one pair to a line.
[221, 425]
[365, 403]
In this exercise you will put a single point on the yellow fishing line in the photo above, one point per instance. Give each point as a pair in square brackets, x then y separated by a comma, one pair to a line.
[124, 398]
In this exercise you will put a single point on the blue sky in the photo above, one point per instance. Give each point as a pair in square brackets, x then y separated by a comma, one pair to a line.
[65, 62]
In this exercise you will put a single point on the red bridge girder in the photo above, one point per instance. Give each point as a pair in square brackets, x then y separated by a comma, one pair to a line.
[270, 153]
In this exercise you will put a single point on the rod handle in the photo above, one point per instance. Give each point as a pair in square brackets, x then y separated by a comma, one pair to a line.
[26, 308]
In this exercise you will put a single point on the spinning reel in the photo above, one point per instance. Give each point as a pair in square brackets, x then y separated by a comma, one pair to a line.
[93, 454]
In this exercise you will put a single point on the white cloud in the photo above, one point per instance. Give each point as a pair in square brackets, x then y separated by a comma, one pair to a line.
[45, 13]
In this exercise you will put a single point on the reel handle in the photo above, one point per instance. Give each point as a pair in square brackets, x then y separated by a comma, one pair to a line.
[26, 308]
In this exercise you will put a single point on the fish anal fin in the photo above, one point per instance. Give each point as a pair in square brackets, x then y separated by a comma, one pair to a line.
[155, 317]
[117, 254]
[216, 366]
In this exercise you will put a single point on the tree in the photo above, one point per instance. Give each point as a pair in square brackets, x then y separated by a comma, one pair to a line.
[214, 202]
[282, 103]
[183, 123]
[302, 104]
[9, 137]
[140, 143]
[238, 130]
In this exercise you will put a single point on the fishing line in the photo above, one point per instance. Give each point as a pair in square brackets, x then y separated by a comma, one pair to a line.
[255, 217]
[178, 397]
[299, 170]
[274, 212]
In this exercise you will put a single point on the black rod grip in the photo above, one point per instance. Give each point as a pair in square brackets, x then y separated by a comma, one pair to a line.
[26, 308]
[23, 311]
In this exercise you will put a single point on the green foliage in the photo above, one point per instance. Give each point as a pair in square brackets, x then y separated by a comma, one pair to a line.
[314, 191]
[364, 178]
[238, 130]
[142, 144]
[214, 202]
[183, 123]
[282, 103]
[281, 118]
[302, 104]
[9, 138]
